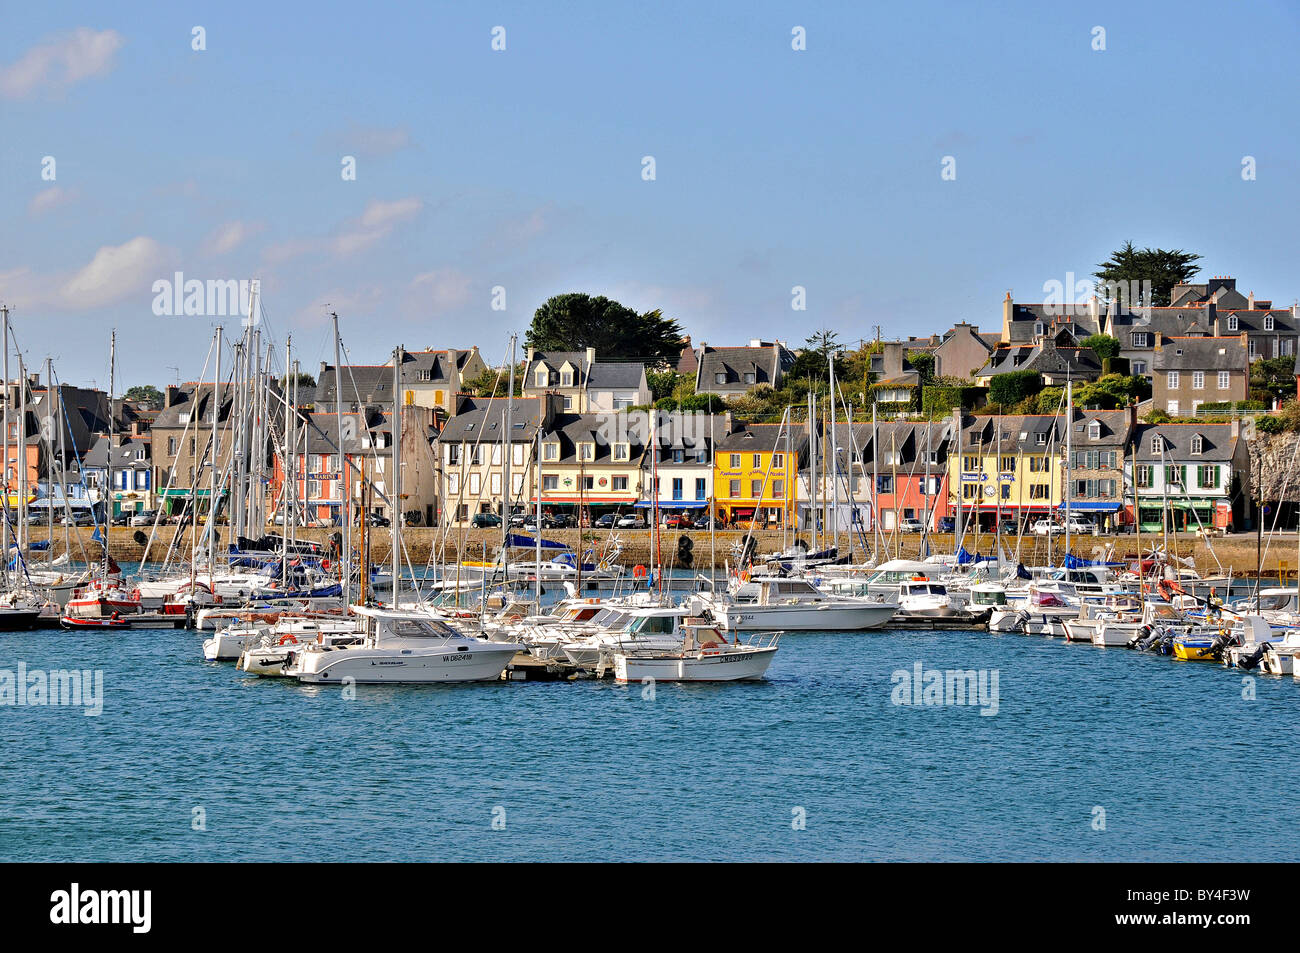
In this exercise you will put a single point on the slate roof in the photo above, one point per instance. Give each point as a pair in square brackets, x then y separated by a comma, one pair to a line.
[481, 419]
[1045, 358]
[1201, 354]
[372, 383]
[767, 364]
[124, 456]
[764, 438]
[1217, 443]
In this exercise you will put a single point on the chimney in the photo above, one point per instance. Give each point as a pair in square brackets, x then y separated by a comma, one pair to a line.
[1251, 301]
[591, 357]
[169, 398]
[1007, 310]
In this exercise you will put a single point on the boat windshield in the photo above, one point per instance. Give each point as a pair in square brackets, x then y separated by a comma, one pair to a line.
[422, 629]
[654, 625]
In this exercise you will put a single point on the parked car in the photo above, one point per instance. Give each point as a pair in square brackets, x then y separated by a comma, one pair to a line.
[1008, 528]
[605, 521]
[375, 519]
[122, 519]
[947, 524]
[911, 526]
[522, 517]
[558, 521]
[1048, 528]
[485, 520]
[144, 518]
[704, 522]
[630, 521]
[78, 519]
[1080, 524]
[675, 521]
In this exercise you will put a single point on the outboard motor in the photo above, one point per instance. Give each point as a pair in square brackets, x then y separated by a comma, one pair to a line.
[1139, 638]
[1221, 642]
[1253, 659]
[1166, 644]
[1022, 621]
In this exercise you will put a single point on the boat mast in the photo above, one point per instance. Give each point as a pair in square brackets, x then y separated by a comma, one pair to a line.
[398, 357]
[537, 512]
[345, 555]
[288, 452]
[507, 450]
[212, 473]
[4, 454]
[835, 460]
[108, 484]
[1069, 429]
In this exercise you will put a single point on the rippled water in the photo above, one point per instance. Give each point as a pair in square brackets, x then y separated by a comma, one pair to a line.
[1183, 766]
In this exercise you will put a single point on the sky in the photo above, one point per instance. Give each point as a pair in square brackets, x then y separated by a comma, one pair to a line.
[485, 174]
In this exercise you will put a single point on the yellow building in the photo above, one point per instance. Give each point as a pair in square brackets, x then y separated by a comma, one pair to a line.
[756, 472]
[1006, 467]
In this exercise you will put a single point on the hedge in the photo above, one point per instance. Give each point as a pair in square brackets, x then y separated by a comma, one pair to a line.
[938, 400]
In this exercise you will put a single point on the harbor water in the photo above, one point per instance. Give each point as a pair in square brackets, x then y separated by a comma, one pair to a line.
[1092, 754]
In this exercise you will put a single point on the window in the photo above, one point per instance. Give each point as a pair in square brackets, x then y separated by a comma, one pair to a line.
[1038, 329]
[588, 483]
[1172, 408]
[1251, 349]
[622, 452]
[475, 483]
[700, 492]
[1008, 465]
[1094, 430]
[735, 461]
[1139, 339]
[568, 402]
[622, 403]
[677, 488]
[1232, 322]
[1038, 491]
[1139, 367]
[1039, 464]
[517, 454]
[1171, 379]
[550, 451]
[749, 377]
[778, 489]
[496, 454]
[171, 446]
[1225, 380]
[1174, 476]
[757, 462]
[495, 484]
[756, 488]
[1207, 477]
[733, 487]
[1142, 474]
[1006, 491]
[453, 483]
[884, 483]
[550, 482]
[566, 378]
[970, 464]
[542, 377]
[1198, 380]
[1268, 322]
[619, 483]
[1042, 438]
[970, 491]
[586, 451]
[1198, 444]
[778, 461]
[720, 378]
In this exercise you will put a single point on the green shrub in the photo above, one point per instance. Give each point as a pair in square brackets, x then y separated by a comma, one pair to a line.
[1014, 386]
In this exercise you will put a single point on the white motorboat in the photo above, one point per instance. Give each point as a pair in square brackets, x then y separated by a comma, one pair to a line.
[924, 599]
[785, 604]
[705, 655]
[404, 646]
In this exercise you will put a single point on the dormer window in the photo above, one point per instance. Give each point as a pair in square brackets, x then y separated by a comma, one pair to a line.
[1042, 439]
[1232, 322]
[1038, 329]
[622, 451]
[586, 451]
[1094, 430]
[566, 378]
[550, 451]
[542, 377]
[720, 378]
[1268, 322]
[1198, 444]
[1156, 444]
[749, 378]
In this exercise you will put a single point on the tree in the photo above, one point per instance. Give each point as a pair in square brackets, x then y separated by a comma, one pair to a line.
[663, 383]
[494, 383]
[1274, 376]
[1014, 386]
[304, 380]
[1103, 345]
[576, 321]
[1162, 267]
[923, 363]
[1111, 391]
[146, 395]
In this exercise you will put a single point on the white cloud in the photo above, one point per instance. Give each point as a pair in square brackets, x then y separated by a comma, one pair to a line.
[229, 236]
[115, 272]
[383, 214]
[61, 62]
[445, 289]
[49, 199]
[375, 223]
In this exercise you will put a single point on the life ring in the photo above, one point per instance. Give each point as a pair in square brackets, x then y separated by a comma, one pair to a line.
[325, 565]
[639, 571]
[287, 639]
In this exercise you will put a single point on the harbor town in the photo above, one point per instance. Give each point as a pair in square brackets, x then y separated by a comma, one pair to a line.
[610, 433]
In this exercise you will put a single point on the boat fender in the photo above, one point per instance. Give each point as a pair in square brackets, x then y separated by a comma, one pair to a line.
[287, 639]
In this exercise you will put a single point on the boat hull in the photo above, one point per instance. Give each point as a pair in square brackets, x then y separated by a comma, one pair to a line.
[367, 666]
[733, 666]
[826, 617]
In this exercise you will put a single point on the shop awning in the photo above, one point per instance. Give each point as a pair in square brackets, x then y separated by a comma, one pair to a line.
[1092, 506]
[674, 504]
[586, 500]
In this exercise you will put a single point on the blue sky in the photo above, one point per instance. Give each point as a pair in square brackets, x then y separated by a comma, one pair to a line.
[522, 169]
